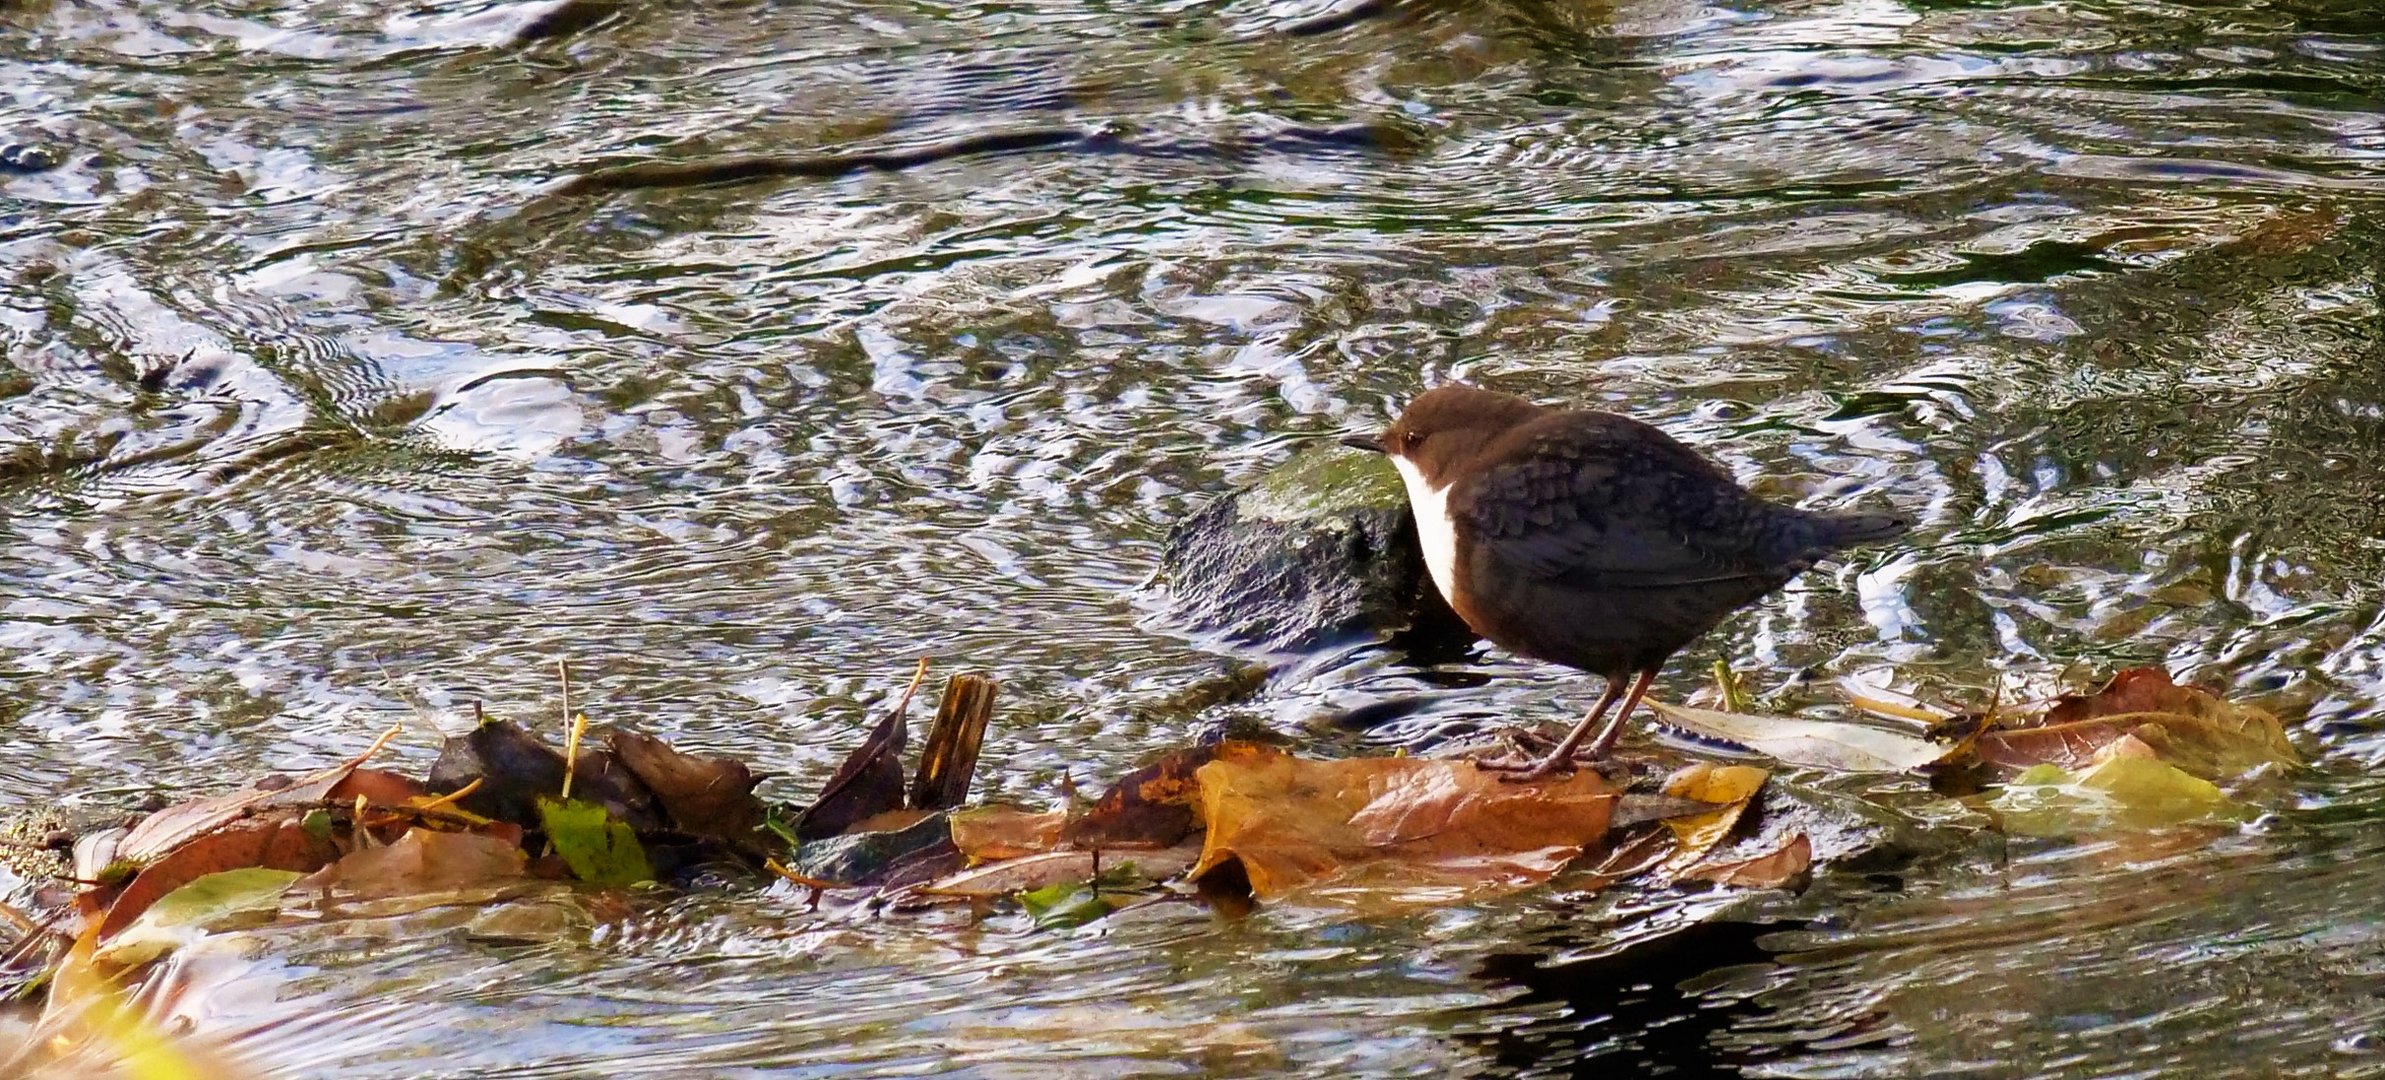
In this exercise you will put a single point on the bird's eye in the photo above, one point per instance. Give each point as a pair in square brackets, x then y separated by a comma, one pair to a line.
[1411, 439]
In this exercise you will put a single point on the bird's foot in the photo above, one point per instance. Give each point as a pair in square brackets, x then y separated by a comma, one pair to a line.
[1525, 770]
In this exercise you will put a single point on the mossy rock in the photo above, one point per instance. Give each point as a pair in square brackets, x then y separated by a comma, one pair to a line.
[1321, 551]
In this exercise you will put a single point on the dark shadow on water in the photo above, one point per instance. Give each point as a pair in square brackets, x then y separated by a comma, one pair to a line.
[1625, 1012]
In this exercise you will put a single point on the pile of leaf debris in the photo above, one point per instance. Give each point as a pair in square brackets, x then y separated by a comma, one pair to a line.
[1231, 824]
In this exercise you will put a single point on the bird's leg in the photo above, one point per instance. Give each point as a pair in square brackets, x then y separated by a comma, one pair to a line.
[1606, 739]
[1564, 750]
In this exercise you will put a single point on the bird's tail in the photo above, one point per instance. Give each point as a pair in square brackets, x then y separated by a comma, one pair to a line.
[1847, 530]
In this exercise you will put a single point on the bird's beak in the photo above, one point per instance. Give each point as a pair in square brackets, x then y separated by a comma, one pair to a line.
[1372, 444]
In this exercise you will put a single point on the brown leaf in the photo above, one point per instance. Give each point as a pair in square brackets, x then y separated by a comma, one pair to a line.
[1401, 823]
[2194, 729]
[1728, 786]
[517, 768]
[1154, 806]
[709, 796]
[1771, 870]
[949, 760]
[870, 781]
[277, 843]
[424, 861]
[170, 828]
[988, 833]
[1055, 867]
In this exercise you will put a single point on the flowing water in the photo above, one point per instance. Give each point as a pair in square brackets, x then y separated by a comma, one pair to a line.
[323, 408]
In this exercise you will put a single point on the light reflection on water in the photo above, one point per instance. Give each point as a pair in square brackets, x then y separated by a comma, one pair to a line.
[320, 415]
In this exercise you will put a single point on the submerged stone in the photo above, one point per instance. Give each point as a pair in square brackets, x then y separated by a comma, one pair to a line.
[1320, 551]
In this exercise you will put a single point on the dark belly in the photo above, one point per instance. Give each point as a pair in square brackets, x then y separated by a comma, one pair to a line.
[1611, 632]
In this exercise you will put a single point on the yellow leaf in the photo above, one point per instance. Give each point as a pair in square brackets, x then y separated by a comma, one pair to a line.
[1730, 786]
[1437, 828]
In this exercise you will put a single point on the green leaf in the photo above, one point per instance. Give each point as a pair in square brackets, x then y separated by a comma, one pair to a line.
[599, 849]
[206, 901]
[1068, 905]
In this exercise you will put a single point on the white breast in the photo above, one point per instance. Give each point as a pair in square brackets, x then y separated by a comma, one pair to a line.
[1433, 527]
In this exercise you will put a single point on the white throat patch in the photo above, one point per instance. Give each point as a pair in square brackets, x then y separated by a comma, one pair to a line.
[1433, 526]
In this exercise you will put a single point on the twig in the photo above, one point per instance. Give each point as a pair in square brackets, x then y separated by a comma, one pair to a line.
[449, 799]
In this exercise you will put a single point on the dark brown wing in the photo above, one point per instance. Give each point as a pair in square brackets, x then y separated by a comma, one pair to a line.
[1599, 501]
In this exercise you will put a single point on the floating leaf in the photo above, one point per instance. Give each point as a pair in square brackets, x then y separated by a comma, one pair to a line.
[174, 826]
[1070, 904]
[517, 770]
[423, 861]
[1771, 870]
[1154, 806]
[275, 843]
[1729, 788]
[600, 849]
[707, 796]
[869, 781]
[919, 853]
[1051, 868]
[203, 903]
[2193, 729]
[1290, 823]
[2129, 788]
[1818, 743]
[988, 833]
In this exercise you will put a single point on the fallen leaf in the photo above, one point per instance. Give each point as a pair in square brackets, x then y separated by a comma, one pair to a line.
[170, 828]
[2129, 788]
[203, 903]
[987, 833]
[1153, 807]
[948, 761]
[919, 853]
[707, 796]
[1729, 788]
[1818, 743]
[2197, 731]
[600, 849]
[1771, 870]
[422, 861]
[1051, 868]
[275, 843]
[517, 770]
[1628, 856]
[1391, 823]
[868, 782]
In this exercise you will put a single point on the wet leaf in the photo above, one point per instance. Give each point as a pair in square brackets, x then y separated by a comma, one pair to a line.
[1391, 823]
[276, 843]
[1152, 807]
[1771, 870]
[1052, 868]
[919, 853]
[2129, 788]
[422, 861]
[1729, 788]
[1818, 743]
[707, 796]
[870, 780]
[987, 833]
[517, 770]
[1070, 904]
[2193, 729]
[174, 826]
[203, 903]
[600, 849]
[949, 759]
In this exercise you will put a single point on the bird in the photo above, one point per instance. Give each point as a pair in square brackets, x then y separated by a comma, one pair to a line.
[1592, 540]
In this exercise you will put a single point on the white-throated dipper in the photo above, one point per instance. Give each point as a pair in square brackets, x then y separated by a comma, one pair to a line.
[1590, 539]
